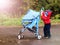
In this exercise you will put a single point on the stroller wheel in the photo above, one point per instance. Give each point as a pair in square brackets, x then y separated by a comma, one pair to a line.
[39, 37]
[20, 36]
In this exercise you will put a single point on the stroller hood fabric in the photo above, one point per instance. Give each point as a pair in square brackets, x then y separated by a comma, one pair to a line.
[31, 14]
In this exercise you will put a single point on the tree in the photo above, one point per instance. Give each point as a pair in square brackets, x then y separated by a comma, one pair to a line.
[47, 4]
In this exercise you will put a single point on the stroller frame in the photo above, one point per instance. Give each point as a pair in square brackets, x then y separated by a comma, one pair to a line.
[32, 23]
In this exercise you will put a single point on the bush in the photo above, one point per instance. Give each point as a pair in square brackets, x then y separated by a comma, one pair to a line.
[57, 16]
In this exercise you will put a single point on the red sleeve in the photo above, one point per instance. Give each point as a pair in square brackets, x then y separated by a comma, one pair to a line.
[49, 14]
[43, 17]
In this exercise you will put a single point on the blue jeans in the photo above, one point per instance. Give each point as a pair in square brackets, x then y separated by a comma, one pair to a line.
[47, 30]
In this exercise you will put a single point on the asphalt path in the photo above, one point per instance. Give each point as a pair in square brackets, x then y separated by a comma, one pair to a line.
[8, 36]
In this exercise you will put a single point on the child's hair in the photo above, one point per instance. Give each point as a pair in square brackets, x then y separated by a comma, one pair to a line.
[48, 11]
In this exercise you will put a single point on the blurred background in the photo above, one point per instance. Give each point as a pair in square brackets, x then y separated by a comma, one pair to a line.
[12, 11]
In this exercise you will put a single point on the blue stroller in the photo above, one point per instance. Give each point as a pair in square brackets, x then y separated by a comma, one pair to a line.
[30, 21]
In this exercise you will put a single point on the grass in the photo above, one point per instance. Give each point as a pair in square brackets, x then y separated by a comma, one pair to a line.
[17, 21]
[10, 22]
[55, 21]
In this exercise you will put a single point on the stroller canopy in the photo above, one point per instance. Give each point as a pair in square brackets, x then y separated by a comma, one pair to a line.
[31, 14]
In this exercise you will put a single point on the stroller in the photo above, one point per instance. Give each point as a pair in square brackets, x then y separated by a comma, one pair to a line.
[30, 21]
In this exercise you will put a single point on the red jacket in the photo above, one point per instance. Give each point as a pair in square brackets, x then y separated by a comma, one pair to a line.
[46, 19]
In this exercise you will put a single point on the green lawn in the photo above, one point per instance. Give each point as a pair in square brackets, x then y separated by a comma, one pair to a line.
[55, 21]
[17, 21]
[10, 22]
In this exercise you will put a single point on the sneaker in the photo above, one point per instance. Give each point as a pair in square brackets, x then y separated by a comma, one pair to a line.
[47, 37]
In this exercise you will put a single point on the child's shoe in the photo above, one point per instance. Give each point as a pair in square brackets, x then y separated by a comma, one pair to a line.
[46, 37]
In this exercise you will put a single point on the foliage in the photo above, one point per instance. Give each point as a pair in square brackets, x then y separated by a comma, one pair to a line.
[53, 5]
[57, 16]
[17, 22]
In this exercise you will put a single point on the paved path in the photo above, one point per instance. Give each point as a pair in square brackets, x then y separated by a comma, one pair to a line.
[8, 36]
